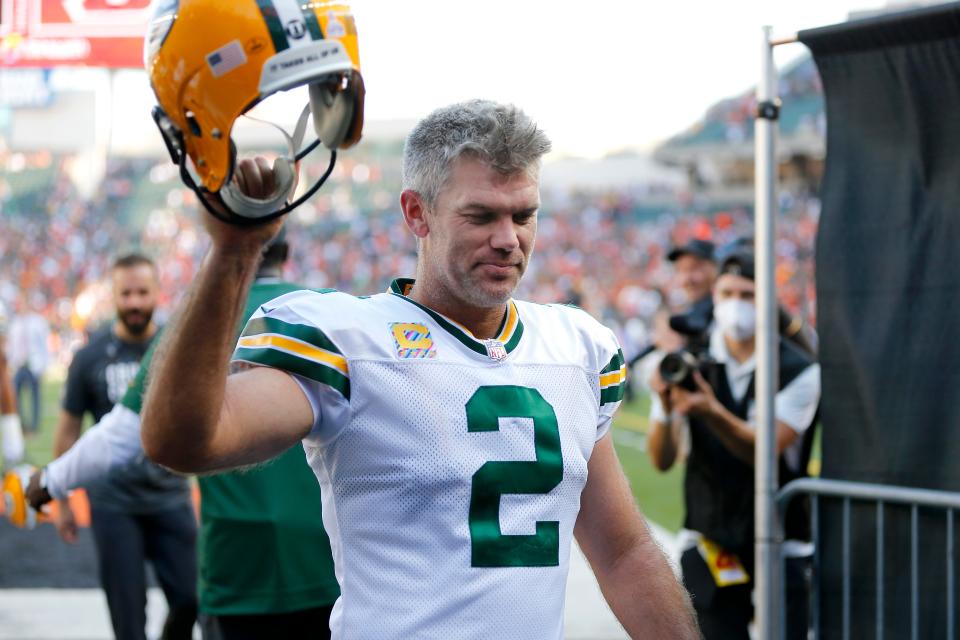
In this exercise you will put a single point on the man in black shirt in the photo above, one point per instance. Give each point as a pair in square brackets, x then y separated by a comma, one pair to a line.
[139, 512]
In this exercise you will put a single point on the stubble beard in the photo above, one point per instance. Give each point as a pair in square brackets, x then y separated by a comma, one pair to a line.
[476, 291]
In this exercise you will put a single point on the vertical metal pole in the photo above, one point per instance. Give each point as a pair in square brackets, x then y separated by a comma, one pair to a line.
[880, 569]
[815, 599]
[766, 530]
[846, 569]
[950, 564]
[914, 575]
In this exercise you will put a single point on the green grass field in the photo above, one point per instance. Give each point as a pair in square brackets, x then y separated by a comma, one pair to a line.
[658, 494]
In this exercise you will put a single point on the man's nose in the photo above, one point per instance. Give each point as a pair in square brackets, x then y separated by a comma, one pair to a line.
[504, 236]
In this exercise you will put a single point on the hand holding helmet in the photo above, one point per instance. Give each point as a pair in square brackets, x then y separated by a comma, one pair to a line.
[16, 506]
[210, 62]
[254, 178]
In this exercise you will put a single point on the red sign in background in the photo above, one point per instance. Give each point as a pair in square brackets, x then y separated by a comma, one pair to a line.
[55, 33]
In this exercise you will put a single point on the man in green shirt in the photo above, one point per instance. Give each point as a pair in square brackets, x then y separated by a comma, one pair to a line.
[265, 567]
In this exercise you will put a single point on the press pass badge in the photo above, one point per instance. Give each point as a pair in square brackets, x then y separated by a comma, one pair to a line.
[725, 567]
[495, 349]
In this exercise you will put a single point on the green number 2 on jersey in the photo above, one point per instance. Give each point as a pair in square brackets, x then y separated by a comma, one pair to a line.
[490, 547]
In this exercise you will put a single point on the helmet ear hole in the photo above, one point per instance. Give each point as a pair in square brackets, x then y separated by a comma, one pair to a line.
[192, 123]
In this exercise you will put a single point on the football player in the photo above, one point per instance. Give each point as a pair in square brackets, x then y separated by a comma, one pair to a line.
[460, 437]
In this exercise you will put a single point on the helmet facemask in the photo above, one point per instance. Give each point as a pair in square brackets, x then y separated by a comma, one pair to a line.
[199, 104]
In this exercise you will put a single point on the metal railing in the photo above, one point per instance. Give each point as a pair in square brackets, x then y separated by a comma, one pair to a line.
[882, 495]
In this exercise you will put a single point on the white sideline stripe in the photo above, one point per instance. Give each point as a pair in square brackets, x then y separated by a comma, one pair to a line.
[69, 614]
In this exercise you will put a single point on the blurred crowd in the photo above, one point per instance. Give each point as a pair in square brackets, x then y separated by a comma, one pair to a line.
[593, 249]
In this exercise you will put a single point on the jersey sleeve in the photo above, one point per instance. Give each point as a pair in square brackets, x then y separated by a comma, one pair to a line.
[613, 381]
[282, 338]
[111, 443]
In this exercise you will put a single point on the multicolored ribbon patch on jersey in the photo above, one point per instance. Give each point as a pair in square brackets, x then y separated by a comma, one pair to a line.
[413, 340]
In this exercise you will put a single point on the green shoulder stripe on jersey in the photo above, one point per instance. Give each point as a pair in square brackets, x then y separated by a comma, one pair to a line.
[613, 379]
[295, 364]
[615, 363]
[612, 394]
[310, 17]
[302, 332]
[274, 26]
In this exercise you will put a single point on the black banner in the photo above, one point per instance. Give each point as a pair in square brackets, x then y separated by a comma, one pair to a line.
[888, 296]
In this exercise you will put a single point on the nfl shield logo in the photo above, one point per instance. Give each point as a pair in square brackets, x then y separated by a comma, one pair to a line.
[495, 349]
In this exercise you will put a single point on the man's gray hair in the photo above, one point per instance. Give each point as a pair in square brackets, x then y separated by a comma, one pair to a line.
[500, 135]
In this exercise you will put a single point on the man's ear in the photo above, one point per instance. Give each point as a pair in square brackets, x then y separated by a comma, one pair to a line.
[414, 213]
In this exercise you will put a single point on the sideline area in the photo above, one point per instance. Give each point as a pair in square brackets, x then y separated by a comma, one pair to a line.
[81, 614]
[48, 590]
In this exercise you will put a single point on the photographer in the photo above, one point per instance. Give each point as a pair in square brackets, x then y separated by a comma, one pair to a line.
[695, 271]
[719, 479]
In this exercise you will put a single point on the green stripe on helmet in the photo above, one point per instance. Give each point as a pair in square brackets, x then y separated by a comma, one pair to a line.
[274, 26]
[313, 25]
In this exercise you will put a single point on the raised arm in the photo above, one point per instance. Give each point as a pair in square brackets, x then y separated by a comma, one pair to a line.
[195, 419]
[632, 572]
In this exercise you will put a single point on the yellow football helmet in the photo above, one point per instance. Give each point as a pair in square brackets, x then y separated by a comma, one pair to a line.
[210, 61]
[15, 505]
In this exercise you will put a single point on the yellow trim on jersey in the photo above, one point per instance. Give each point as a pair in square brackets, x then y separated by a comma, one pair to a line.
[295, 346]
[510, 324]
[613, 378]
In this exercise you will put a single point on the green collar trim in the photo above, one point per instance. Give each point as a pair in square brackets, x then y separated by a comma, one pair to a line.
[509, 334]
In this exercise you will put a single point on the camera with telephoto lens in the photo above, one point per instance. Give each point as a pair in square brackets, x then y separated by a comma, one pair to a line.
[677, 369]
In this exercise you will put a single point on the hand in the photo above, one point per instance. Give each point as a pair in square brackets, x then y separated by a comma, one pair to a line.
[36, 495]
[701, 402]
[66, 522]
[659, 386]
[257, 179]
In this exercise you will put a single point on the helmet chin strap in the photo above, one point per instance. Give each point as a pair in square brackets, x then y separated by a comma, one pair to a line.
[245, 210]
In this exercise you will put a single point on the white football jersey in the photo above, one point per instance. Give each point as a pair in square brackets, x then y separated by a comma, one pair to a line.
[451, 468]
